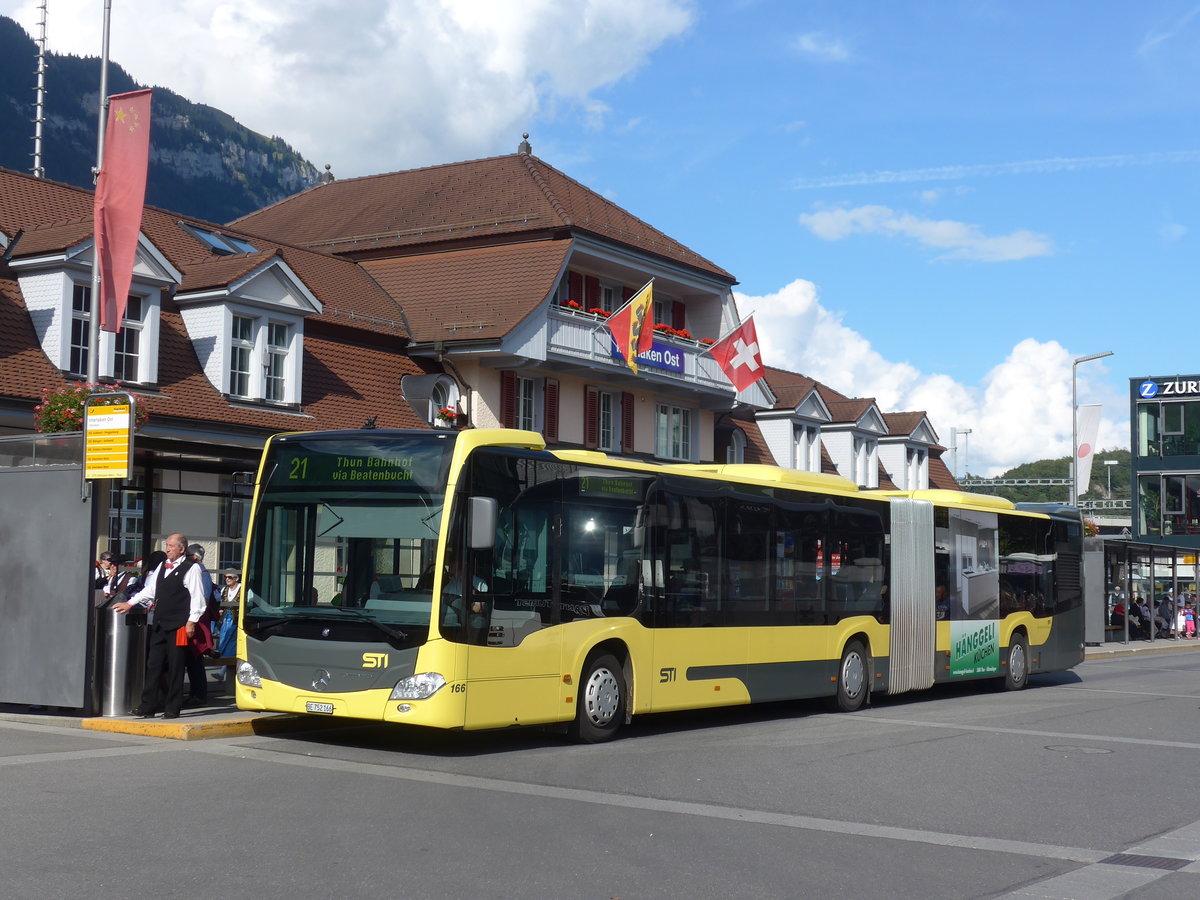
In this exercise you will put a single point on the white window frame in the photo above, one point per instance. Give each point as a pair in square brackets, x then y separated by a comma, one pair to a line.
[735, 450]
[260, 355]
[526, 402]
[275, 362]
[608, 407]
[444, 393]
[808, 448]
[130, 327]
[147, 327]
[674, 428]
[865, 457]
[80, 319]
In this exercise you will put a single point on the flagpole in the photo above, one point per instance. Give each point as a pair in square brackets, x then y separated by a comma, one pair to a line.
[708, 349]
[93, 372]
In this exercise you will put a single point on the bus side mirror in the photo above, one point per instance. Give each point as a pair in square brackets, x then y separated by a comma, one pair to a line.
[482, 514]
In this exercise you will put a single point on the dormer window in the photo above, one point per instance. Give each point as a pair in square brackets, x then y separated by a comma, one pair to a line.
[241, 351]
[127, 342]
[264, 357]
[218, 242]
[126, 356]
[81, 311]
[249, 332]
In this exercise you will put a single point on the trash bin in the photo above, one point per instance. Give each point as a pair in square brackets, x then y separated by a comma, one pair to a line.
[123, 661]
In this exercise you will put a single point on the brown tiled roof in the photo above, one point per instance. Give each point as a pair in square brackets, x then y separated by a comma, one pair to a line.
[757, 451]
[49, 238]
[903, 423]
[885, 480]
[53, 217]
[500, 198]
[479, 293]
[222, 270]
[791, 387]
[848, 410]
[827, 465]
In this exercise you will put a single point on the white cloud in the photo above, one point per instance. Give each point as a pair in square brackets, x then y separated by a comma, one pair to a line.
[959, 239]
[1019, 412]
[817, 45]
[990, 170]
[377, 85]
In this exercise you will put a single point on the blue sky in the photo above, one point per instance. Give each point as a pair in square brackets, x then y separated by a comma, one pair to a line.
[938, 204]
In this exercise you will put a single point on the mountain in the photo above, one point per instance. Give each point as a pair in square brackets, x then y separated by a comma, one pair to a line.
[202, 162]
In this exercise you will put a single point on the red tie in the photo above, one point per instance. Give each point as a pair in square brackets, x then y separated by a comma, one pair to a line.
[170, 566]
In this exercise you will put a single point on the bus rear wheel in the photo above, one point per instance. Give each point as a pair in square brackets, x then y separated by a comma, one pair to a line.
[852, 678]
[600, 706]
[1016, 674]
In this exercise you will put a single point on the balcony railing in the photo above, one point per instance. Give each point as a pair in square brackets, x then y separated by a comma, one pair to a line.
[583, 336]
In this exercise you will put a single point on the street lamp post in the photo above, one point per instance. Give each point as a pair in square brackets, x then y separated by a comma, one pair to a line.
[1108, 464]
[1074, 498]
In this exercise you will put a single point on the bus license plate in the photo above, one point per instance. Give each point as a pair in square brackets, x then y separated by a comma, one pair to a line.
[325, 708]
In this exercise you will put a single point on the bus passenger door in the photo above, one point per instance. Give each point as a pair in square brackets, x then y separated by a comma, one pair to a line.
[515, 646]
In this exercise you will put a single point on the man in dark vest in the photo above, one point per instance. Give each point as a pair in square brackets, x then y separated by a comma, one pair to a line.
[177, 593]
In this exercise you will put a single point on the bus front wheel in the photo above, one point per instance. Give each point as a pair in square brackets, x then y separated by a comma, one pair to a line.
[852, 678]
[600, 707]
[1016, 674]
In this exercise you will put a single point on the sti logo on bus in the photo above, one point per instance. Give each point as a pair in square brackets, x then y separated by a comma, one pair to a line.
[666, 675]
[375, 660]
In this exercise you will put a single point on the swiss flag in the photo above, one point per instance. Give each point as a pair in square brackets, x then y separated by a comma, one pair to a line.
[738, 355]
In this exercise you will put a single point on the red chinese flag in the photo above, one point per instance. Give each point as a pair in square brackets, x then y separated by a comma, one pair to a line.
[120, 196]
[738, 355]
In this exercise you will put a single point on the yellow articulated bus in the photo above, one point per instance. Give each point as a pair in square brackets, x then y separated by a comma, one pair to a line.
[475, 580]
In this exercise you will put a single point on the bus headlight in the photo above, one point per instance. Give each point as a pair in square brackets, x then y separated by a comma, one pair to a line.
[418, 687]
[248, 675]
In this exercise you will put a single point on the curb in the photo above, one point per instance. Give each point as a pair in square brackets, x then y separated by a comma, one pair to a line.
[1126, 650]
[183, 730]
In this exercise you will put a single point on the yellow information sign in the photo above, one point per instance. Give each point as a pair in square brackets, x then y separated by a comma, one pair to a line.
[108, 441]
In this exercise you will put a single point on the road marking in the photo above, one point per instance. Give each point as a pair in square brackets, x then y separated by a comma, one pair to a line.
[1102, 881]
[1133, 693]
[651, 804]
[67, 755]
[993, 729]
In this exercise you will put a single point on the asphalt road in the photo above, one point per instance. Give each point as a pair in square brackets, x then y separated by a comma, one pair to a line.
[954, 793]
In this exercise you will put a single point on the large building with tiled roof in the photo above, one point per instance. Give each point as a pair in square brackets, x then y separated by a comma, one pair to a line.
[505, 270]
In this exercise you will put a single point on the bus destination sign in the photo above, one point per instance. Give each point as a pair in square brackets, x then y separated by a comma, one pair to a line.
[332, 464]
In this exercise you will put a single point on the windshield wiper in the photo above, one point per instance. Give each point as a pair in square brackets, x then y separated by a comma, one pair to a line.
[333, 513]
[363, 617]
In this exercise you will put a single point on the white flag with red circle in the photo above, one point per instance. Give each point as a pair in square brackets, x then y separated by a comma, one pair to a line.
[738, 355]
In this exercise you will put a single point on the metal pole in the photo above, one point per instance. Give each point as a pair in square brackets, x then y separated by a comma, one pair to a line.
[93, 372]
[39, 122]
[1073, 500]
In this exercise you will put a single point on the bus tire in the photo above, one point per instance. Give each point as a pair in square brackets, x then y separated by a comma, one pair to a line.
[853, 678]
[1016, 671]
[600, 706]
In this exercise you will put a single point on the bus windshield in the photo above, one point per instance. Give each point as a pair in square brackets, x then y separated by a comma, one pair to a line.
[347, 531]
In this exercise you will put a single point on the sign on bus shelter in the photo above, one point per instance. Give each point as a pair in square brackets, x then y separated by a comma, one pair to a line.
[108, 435]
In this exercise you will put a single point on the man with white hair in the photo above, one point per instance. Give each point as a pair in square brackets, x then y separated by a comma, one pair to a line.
[179, 601]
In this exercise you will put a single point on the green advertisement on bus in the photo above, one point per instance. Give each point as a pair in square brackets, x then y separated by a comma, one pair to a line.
[974, 647]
